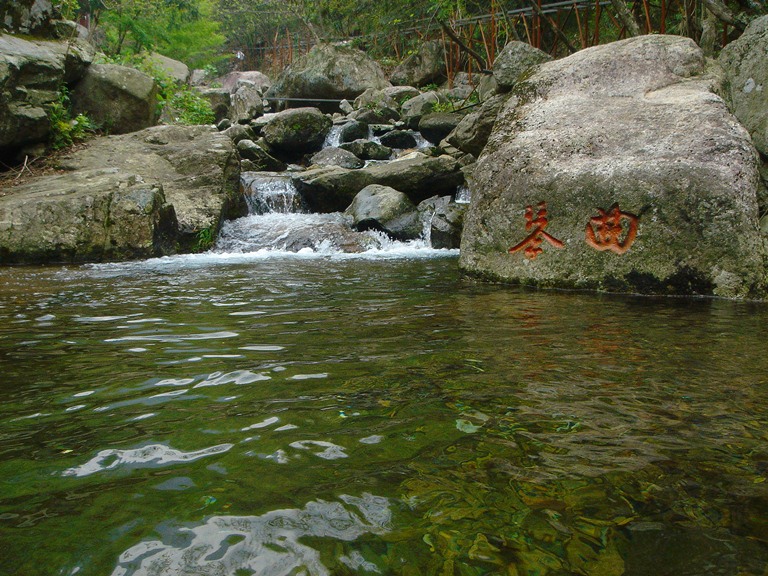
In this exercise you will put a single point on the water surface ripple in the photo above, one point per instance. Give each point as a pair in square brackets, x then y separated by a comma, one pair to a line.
[319, 415]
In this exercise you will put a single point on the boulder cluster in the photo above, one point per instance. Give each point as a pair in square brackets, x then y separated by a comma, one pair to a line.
[635, 166]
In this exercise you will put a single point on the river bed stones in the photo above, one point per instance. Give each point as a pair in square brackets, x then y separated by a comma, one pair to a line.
[619, 168]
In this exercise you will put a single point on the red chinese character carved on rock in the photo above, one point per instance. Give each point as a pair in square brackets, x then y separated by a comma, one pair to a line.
[531, 246]
[604, 232]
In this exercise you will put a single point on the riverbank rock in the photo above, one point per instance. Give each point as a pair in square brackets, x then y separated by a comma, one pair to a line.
[118, 98]
[328, 71]
[425, 66]
[31, 74]
[745, 62]
[385, 209]
[102, 214]
[297, 131]
[195, 168]
[594, 178]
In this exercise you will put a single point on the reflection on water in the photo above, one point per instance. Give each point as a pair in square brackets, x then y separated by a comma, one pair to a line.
[332, 415]
[269, 544]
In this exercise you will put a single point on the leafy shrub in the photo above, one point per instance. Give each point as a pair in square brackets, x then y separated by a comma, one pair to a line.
[188, 107]
[66, 130]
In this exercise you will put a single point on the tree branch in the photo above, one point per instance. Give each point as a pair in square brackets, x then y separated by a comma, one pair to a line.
[633, 29]
[453, 36]
[719, 9]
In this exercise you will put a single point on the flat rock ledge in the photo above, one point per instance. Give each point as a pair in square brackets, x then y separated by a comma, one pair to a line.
[619, 169]
[159, 191]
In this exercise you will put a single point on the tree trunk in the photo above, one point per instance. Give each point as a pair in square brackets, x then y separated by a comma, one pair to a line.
[719, 9]
[633, 29]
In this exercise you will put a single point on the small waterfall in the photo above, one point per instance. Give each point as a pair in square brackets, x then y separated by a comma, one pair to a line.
[333, 138]
[270, 192]
[463, 194]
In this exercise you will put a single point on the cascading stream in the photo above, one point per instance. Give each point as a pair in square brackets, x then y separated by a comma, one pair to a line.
[279, 221]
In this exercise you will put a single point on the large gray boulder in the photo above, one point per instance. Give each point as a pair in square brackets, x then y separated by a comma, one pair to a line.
[640, 175]
[329, 72]
[118, 98]
[745, 62]
[31, 74]
[260, 159]
[247, 102]
[100, 214]
[297, 131]
[515, 59]
[220, 101]
[387, 210]
[413, 109]
[197, 167]
[178, 71]
[425, 66]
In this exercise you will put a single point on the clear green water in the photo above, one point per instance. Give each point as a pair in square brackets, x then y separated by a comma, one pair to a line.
[331, 416]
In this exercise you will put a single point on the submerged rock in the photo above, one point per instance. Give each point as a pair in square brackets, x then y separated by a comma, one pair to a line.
[599, 149]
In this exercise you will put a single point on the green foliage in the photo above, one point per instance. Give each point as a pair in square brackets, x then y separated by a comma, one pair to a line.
[443, 107]
[66, 130]
[203, 241]
[188, 107]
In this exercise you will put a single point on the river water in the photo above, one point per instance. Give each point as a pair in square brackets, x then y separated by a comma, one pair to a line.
[310, 414]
